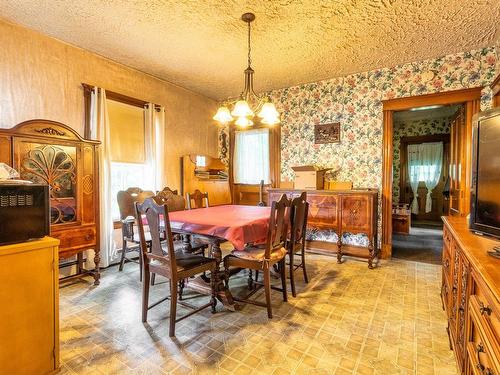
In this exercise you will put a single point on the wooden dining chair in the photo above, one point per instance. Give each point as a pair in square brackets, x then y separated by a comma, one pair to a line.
[126, 200]
[296, 243]
[175, 202]
[264, 257]
[163, 259]
[199, 199]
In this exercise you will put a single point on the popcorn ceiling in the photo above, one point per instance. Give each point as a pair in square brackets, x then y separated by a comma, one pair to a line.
[201, 45]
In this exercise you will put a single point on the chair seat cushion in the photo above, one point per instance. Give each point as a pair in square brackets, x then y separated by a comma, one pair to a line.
[185, 260]
[257, 253]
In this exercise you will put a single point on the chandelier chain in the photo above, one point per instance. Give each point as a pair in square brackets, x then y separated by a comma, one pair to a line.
[249, 47]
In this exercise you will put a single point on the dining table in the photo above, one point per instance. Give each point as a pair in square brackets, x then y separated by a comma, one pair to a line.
[238, 224]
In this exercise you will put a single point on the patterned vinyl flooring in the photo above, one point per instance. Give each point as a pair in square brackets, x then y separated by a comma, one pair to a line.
[347, 320]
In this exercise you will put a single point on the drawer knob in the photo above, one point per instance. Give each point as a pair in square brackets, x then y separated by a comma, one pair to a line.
[484, 309]
[88, 237]
[447, 263]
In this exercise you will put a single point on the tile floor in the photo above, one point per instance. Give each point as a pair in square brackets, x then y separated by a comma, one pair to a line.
[347, 320]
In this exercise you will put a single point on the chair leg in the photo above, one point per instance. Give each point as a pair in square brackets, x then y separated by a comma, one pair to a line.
[124, 251]
[173, 308]
[292, 274]
[140, 264]
[267, 287]
[153, 278]
[283, 279]
[145, 295]
[256, 276]
[181, 288]
[306, 279]
[250, 279]
[213, 299]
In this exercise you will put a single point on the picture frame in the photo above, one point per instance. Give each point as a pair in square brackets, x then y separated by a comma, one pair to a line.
[327, 133]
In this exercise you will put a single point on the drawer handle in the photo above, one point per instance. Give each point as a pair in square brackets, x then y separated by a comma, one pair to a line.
[447, 263]
[88, 237]
[484, 309]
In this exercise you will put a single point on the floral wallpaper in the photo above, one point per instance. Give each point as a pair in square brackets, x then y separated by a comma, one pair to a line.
[410, 129]
[356, 102]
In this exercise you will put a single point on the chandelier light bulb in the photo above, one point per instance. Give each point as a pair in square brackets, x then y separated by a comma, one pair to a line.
[243, 122]
[223, 115]
[242, 109]
[268, 110]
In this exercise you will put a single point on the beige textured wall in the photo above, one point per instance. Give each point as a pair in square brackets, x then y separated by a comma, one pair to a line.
[41, 77]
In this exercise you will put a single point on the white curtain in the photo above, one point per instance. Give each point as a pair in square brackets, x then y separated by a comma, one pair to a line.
[99, 130]
[431, 155]
[251, 156]
[414, 174]
[155, 143]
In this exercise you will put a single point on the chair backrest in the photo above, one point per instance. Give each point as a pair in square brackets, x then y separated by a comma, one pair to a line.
[170, 197]
[299, 208]
[156, 217]
[127, 198]
[200, 199]
[278, 225]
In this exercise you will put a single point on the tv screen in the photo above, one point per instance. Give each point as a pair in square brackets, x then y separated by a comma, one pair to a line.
[485, 198]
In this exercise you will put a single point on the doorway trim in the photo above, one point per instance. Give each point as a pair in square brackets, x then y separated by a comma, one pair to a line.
[471, 98]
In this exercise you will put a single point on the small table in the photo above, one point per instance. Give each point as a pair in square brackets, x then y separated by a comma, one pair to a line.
[234, 223]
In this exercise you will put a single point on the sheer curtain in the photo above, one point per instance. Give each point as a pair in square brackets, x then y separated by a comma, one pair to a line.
[414, 174]
[251, 156]
[154, 116]
[99, 130]
[431, 155]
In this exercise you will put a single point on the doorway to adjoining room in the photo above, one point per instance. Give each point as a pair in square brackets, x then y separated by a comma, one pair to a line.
[422, 156]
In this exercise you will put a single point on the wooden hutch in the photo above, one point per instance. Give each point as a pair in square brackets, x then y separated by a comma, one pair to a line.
[48, 152]
[333, 213]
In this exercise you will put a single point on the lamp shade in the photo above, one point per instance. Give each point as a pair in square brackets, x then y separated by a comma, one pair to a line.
[268, 111]
[223, 115]
[243, 122]
[241, 109]
[271, 120]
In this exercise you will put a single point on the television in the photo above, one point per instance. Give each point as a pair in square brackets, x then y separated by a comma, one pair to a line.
[485, 179]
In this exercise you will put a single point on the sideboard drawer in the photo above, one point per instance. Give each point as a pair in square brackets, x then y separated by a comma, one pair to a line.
[482, 360]
[75, 239]
[488, 311]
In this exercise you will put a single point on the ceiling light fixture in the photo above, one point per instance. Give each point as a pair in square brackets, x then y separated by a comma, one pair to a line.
[249, 103]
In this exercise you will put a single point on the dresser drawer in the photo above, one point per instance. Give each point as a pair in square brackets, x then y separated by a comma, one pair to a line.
[447, 237]
[482, 360]
[447, 264]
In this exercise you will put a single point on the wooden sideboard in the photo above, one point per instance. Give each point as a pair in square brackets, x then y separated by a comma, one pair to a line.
[51, 153]
[335, 213]
[471, 298]
[29, 317]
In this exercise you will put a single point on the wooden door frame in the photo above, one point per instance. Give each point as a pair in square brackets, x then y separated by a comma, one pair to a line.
[471, 98]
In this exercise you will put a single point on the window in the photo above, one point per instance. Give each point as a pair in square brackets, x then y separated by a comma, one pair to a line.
[130, 166]
[251, 156]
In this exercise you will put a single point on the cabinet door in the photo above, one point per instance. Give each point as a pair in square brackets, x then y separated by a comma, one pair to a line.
[464, 292]
[356, 213]
[323, 211]
[53, 165]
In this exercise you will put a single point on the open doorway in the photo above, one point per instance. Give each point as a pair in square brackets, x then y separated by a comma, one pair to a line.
[422, 155]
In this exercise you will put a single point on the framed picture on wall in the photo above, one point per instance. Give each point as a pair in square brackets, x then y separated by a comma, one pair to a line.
[327, 133]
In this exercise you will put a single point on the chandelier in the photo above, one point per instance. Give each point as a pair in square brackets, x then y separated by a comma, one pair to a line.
[249, 103]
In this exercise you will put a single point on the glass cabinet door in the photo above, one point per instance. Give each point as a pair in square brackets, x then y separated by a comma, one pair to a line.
[54, 165]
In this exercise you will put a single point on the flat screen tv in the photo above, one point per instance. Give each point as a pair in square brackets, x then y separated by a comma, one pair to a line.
[485, 186]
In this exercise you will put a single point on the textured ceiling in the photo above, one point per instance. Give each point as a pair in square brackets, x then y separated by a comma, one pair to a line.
[201, 45]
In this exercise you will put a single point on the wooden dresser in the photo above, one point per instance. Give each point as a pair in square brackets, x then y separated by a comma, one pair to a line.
[471, 298]
[335, 213]
[29, 317]
[51, 153]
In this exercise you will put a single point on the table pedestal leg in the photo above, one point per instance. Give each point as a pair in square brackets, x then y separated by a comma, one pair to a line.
[223, 293]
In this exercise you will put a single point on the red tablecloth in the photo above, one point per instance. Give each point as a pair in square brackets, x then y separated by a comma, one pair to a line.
[237, 224]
